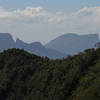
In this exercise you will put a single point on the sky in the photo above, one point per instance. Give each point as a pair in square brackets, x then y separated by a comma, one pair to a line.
[44, 20]
[51, 5]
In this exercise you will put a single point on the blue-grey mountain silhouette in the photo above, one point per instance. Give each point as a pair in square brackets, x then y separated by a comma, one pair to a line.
[60, 47]
[38, 49]
[72, 43]
[6, 42]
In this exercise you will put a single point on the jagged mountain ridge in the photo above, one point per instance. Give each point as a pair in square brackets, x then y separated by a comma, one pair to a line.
[67, 44]
[6, 42]
[38, 49]
[72, 43]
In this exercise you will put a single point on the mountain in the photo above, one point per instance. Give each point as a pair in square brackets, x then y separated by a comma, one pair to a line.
[73, 43]
[25, 76]
[6, 42]
[38, 49]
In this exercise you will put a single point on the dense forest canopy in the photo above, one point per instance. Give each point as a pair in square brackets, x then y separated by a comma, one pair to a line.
[24, 76]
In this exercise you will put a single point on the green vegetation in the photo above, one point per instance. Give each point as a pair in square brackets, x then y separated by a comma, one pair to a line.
[25, 76]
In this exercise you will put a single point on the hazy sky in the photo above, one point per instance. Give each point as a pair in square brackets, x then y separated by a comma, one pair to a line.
[43, 20]
[51, 5]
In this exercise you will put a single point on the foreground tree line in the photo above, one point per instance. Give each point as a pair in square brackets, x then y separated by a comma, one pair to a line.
[24, 76]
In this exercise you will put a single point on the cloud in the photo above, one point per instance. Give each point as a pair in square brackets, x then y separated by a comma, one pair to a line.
[30, 15]
[37, 24]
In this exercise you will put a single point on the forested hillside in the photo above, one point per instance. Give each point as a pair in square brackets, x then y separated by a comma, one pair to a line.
[24, 76]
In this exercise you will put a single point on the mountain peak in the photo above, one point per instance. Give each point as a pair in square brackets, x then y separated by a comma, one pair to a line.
[5, 35]
[19, 41]
[73, 43]
[6, 41]
[37, 44]
[38, 49]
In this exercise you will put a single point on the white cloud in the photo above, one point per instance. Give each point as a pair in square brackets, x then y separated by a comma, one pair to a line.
[37, 24]
[30, 15]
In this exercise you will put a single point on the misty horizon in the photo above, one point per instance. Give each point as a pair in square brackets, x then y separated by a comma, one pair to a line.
[48, 40]
[39, 24]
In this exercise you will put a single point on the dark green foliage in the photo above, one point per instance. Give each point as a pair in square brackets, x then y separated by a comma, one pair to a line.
[25, 76]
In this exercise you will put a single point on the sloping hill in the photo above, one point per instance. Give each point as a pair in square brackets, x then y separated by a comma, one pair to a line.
[73, 43]
[25, 76]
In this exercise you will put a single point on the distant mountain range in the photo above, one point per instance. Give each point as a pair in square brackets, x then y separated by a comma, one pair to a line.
[72, 43]
[6, 42]
[60, 47]
[38, 49]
